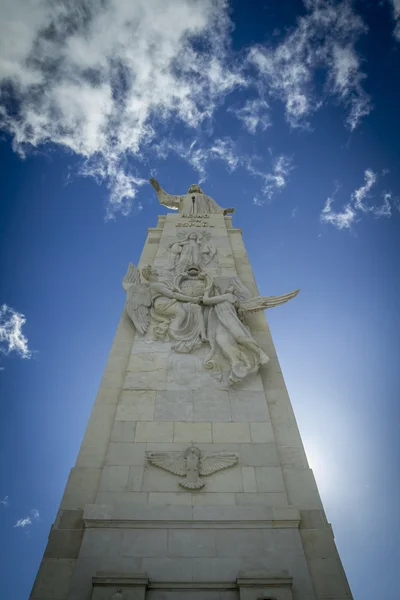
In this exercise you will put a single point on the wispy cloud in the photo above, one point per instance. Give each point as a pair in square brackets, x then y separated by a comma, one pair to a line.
[358, 204]
[324, 39]
[5, 502]
[342, 220]
[106, 80]
[275, 180]
[29, 519]
[396, 15]
[11, 337]
[255, 115]
[95, 77]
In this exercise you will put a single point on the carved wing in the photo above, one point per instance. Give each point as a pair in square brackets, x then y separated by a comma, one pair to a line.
[174, 462]
[262, 302]
[240, 290]
[216, 462]
[138, 300]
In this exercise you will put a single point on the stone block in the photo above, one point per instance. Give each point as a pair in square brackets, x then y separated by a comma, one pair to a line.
[301, 489]
[252, 383]
[135, 479]
[196, 594]
[213, 499]
[53, 579]
[148, 361]
[262, 499]
[123, 431]
[261, 433]
[101, 542]
[174, 406]
[170, 498]
[145, 380]
[63, 543]
[154, 432]
[287, 434]
[249, 479]
[248, 406]
[144, 542]
[216, 569]
[313, 519]
[168, 569]
[328, 578]
[136, 406]
[318, 543]
[81, 488]
[192, 432]
[107, 396]
[228, 480]
[239, 542]
[231, 432]
[122, 499]
[91, 457]
[258, 455]
[269, 479]
[125, 453]
[211, 405]
[191, 542]
[99, 425]
[70, 519]
[145, 346]
[114, 479]
[292, 457]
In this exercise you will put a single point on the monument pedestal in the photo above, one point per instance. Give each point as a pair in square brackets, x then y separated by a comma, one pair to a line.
[187, 484]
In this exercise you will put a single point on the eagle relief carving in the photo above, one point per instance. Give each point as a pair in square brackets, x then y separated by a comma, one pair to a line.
[190, 465]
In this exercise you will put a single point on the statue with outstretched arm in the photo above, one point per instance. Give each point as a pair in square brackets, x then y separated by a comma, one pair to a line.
[194, 202]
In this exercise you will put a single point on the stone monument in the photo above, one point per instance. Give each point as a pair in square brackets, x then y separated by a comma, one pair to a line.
[192, 481]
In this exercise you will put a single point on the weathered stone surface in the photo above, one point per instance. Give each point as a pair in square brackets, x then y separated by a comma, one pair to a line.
[64, 543]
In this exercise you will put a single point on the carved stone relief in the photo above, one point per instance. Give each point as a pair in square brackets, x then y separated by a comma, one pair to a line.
[195, 308]
[190, 249]
[191, 465]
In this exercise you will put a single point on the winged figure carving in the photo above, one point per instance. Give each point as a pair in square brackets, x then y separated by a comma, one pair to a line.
[262, 302]
[191, 465]
[138, 299]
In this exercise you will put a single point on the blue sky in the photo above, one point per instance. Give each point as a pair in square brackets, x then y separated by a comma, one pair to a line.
[287, 111]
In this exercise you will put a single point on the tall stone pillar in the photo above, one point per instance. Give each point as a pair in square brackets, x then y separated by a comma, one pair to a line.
[192, 480]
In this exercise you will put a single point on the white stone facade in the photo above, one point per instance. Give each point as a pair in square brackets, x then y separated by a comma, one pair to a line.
[127, 529]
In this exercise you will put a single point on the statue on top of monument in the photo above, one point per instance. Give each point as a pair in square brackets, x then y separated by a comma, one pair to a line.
[194, 202]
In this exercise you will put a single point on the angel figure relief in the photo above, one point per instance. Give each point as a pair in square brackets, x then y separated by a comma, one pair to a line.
[191, 465]
[228, 302]
[196, 308]
[177, 315]
[191, 249]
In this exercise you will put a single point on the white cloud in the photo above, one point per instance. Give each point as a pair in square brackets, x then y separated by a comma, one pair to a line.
[341, 220]
[357, 204]
[385, 209]
[94, 77]
[396, 16]
[273, 181]
[11, 337]
[29, 519]
[225, 150]
[110, 81]
[323, 39]
[5, 502]
[255, 115]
